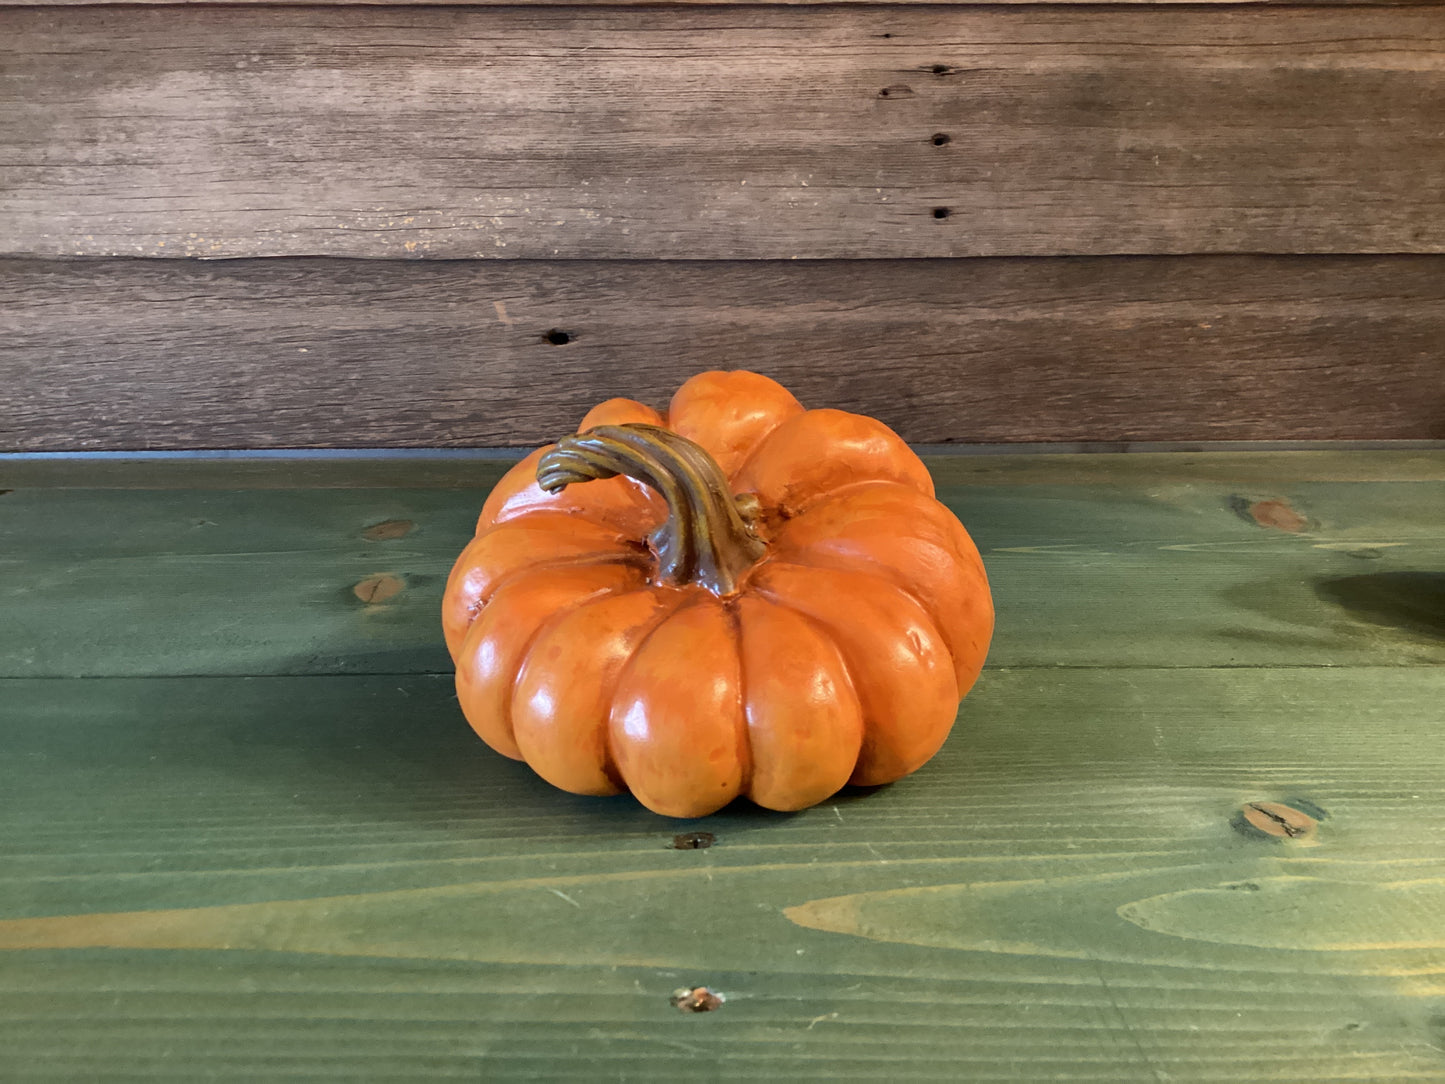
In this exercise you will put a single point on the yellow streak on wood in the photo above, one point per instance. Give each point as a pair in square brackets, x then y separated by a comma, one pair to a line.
[1388, 929]
[1310, 913]
[444, 922]
[535, 919]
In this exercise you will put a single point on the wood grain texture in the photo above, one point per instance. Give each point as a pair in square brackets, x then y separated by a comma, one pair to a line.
[328, 876]
[720, 132]
[320, 877]
[656, 3]
[1183, 565]
[180, 354]
[1231, 467]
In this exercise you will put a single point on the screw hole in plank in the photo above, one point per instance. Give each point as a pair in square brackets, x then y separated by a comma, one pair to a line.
[696, 999]
[693, 841]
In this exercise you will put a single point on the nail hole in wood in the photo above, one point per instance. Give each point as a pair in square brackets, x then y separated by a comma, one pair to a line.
[693, 841]
[941, 212]
[696, 999]
[558, 337]
[942, 139]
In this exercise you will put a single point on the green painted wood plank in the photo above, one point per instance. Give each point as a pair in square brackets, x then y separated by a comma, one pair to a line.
[178, 581]
[329, 877]
[1096, 561]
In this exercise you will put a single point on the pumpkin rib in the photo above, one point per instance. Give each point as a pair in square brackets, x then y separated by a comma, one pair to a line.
[790, 771]
[730, 413]
[476, 575]
[611, 767]
[744, 743]
[609, 744]
[959, 602]
[960, 653]
[615, 502]
[671, 738]
[619, 503]
[555, 564]
[812, 455]
[577, 686]
[823, 630]
[619, 411]
[862, 567]
[561, 564]
[486, 678]
[909, 694]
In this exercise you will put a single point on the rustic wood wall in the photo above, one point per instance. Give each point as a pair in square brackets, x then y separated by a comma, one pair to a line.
[232, 225]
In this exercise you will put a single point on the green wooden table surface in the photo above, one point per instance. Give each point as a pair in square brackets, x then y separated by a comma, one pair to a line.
[1190, 825]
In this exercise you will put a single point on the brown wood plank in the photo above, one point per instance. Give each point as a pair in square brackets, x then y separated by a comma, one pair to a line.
[1185, 467]
[656, 3]
[141, 354]
[720, 132]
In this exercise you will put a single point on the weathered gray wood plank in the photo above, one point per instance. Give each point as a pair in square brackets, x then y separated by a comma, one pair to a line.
[1233, 466]
[1195, 565]
[1236, 466]
[720, 132]
[330, 877]
[655, 3]
[287, 353]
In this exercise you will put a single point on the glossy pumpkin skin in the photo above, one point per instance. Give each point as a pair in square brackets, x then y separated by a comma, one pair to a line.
[838, 654]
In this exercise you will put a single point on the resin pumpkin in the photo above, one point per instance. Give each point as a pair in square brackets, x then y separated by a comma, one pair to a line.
[741, 597]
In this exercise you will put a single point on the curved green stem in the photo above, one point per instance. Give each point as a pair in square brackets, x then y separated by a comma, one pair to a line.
[705, 540]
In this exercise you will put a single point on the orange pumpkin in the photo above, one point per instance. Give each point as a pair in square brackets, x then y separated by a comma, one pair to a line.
[741, 598]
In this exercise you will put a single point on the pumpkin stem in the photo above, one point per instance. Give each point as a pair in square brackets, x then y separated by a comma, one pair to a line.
[705, 541]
